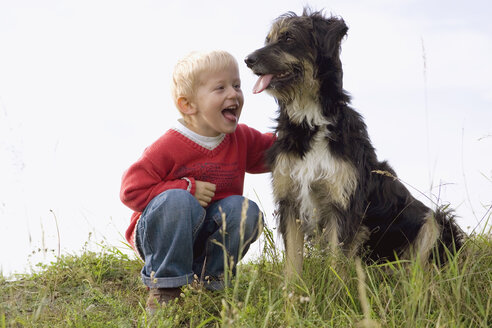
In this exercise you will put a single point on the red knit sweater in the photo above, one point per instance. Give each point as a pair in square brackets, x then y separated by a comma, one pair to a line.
[174, 156]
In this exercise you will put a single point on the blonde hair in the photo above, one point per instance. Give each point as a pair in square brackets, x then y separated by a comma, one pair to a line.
[186, 74]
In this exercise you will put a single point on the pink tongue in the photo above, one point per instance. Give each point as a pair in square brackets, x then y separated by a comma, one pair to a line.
[262, 83]
[229, 115]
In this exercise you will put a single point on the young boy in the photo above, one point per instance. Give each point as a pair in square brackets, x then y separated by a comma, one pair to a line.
[186, 181]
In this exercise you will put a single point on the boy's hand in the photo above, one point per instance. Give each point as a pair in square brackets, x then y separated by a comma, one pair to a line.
[204, 192]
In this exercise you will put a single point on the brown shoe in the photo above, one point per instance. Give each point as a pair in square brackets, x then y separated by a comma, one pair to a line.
[161, 296]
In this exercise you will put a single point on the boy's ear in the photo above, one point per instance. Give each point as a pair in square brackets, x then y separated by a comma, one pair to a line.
[186, 106]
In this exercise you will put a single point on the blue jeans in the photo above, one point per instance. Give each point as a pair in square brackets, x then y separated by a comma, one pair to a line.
[178, 238]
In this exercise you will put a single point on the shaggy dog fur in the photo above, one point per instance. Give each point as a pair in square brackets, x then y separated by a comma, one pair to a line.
[327, 180]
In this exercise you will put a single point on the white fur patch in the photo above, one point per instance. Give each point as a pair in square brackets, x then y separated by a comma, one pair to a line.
[308, 110]
[296, 175]
[425, 240]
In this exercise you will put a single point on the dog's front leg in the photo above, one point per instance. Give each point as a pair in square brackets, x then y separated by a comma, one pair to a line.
[294, 247]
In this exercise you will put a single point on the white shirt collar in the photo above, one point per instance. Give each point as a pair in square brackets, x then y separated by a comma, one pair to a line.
[206, 142]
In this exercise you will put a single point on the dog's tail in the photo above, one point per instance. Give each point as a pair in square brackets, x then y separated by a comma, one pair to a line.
[451, 237]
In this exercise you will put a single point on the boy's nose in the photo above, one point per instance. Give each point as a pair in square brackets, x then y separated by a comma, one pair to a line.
[233, 92]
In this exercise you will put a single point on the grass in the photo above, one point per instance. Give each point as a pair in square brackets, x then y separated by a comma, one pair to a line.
[103, 289]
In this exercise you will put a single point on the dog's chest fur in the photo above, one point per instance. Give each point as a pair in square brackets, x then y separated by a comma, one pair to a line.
[313, 181]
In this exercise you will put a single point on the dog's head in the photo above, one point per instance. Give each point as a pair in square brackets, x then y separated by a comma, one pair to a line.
[299, 52]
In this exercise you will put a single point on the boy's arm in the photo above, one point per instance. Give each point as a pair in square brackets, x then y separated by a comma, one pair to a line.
[258, 143]
[142, 182]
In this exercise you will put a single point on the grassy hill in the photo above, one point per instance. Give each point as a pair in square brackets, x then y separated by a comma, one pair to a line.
[103, 289]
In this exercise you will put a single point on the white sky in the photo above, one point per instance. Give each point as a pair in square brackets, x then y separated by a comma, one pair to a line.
[84, 88]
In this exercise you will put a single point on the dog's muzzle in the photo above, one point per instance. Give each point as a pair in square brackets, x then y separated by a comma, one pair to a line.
[251, 60]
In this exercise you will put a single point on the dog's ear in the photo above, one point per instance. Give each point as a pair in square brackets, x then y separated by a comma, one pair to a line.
[328, 33]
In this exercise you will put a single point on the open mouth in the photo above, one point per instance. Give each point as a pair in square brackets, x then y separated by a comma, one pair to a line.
[231, 113]
[265, 80]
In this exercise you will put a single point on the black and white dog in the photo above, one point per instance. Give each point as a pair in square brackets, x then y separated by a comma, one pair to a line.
[327, 180]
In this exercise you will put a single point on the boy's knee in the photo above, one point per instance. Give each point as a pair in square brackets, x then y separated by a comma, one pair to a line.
[253, 216]
[240, 202]
[169, 201]
[178, 197]
[255, 221]
[172, 205]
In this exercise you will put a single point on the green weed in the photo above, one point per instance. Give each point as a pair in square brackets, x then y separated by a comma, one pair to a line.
[103, 289]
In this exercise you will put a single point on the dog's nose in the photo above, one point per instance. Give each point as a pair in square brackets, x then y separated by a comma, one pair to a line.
[250, 60]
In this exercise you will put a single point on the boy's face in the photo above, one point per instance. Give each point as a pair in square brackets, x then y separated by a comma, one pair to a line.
[218, 102]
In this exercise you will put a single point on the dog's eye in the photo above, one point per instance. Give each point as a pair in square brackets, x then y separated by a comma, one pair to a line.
[287, 37]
